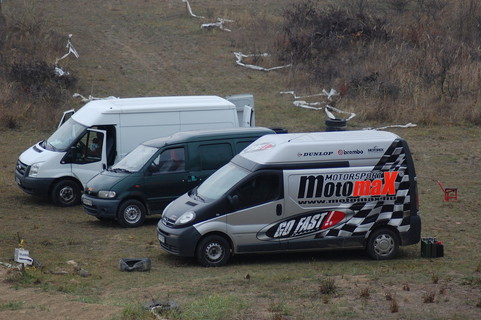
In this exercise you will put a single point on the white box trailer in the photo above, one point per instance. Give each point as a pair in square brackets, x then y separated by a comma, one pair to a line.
[304, 191]
[103, 131]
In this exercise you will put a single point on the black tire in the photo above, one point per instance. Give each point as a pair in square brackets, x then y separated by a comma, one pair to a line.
[383, 244]
[335, 124]
[131, 214]
[66, 193]
[135, 264]
[213, 251]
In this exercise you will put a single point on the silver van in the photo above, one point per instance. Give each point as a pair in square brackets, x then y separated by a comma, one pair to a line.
[303, 191]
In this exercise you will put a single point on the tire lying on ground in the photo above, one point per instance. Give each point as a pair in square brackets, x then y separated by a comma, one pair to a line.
[135, 264]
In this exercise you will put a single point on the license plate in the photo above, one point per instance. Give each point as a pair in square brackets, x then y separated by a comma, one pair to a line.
[17, 180]
[161, 238]
[87, 202]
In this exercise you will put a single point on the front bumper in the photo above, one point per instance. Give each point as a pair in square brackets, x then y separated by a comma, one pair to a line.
[34, 186]
[101, 208]
[181, 242]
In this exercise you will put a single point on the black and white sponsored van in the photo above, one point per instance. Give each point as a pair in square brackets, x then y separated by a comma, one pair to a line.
[303, 191]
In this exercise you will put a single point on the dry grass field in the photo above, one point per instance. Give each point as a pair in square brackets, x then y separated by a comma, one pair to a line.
[153, 47]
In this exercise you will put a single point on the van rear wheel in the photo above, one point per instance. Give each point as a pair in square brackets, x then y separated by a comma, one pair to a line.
[131, 214]
[383, 244]
[66, 193]
[213, 251]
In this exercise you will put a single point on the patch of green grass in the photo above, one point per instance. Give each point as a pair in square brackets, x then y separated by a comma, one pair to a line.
[12, 306]
[135, 312]
[280, 308]
[214, 307]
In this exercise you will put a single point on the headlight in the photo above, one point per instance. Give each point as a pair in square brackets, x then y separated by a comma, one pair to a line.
[185, 218]
[34, 169]
[107, 194]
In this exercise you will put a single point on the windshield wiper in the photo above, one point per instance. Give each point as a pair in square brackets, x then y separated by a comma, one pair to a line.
[197, 196]
[120, 170]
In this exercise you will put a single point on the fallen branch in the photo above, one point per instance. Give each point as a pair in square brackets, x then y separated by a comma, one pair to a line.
[219, 24]
[240, 56]
[190, 10]
[71, 50]
[90, 98]
[313, 105]
[407, 125]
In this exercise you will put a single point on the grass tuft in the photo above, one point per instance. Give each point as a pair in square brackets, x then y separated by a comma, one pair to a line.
[327, 286]
[428, 297]
[394, 306]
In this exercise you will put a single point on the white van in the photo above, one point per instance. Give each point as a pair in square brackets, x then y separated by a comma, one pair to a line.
[103, 131]
[304, 191]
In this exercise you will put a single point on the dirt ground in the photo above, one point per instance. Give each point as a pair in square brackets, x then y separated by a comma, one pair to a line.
[122, 57]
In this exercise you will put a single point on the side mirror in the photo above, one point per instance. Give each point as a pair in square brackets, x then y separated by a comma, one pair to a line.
[152, 168]
[233, 200]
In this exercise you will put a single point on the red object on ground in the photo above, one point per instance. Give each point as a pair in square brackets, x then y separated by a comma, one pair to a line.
[449, 193]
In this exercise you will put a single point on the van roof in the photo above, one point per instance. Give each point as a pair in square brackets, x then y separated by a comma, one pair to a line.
[198, 135]
[151, 104]
[319, 146]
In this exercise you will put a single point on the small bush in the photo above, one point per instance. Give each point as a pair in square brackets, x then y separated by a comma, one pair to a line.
[38, 79]
[327, 286]
[313, 35]
[365, 294]
[428, 297]
[394, 306]
[9, 122]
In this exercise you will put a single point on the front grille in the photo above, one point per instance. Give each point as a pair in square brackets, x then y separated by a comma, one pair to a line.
[169, 248]
[91, 193]
[168, 222]
[165, 245]
[21, 168]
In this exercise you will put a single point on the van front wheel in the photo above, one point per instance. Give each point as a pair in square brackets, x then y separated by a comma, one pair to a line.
[383, 244]
[213, 251]
[131, 214]
[66, 193]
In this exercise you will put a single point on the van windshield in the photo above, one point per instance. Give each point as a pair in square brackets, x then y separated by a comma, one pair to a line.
[135, 160]
[64, 136]
[221, 181]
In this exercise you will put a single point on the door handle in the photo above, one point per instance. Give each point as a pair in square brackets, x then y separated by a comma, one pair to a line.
[279, 209]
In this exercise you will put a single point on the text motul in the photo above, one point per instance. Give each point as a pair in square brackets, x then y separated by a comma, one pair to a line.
[317, 187]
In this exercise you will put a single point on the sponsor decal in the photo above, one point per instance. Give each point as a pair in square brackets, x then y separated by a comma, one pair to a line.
[259, 147]
[326, 186]
[315, 154]
[303, 225]
[375, 149]
[343, 152]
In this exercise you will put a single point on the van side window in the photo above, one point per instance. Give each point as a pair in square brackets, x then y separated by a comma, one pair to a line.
[258, 190]
[241, 145]
[170, 160]
[214, 156]
[88, 149]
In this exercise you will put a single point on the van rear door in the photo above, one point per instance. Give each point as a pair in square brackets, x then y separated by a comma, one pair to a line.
[66, 115]
[248, 117]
